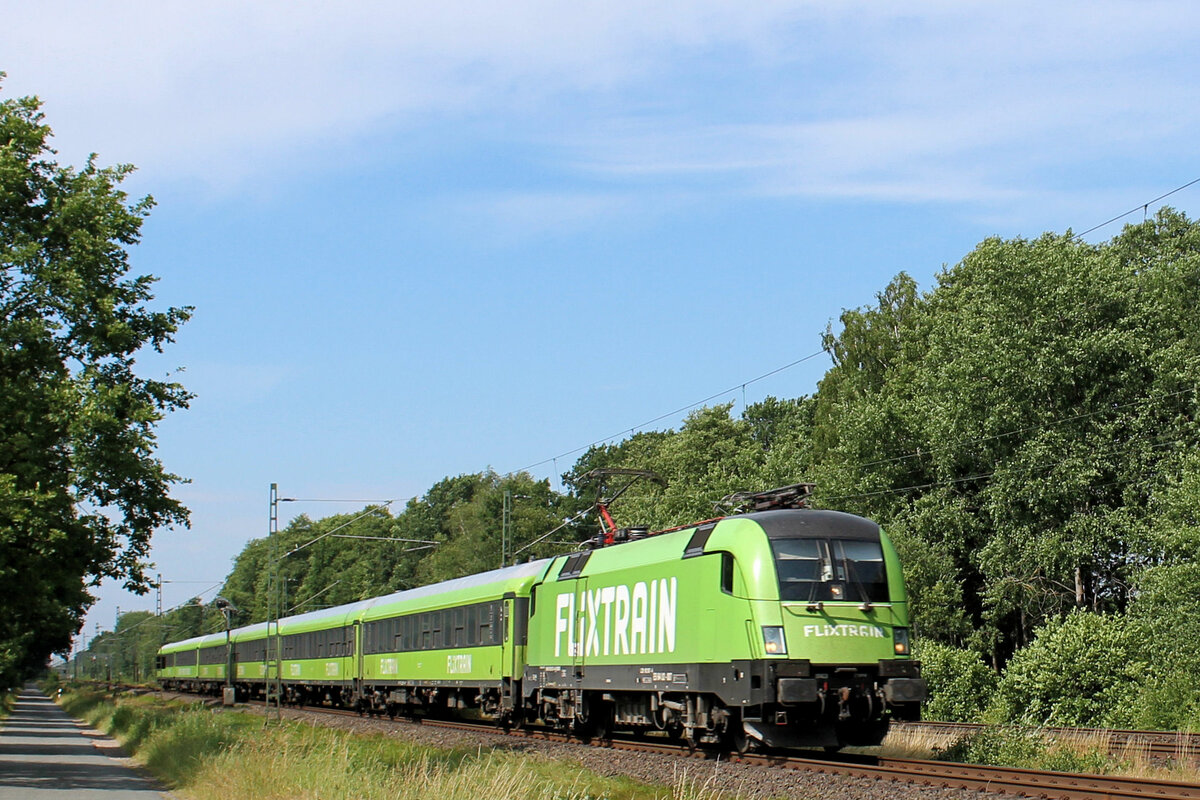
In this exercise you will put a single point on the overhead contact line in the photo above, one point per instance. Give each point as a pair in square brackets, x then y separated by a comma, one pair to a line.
[677, 411]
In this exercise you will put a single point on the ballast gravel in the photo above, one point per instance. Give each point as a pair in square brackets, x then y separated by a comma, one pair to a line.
[707, 776]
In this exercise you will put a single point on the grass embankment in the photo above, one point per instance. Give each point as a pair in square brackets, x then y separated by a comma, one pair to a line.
[1033, 748]
[203, 754]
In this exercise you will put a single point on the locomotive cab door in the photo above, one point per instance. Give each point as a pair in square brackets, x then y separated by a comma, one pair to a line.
[579, 626]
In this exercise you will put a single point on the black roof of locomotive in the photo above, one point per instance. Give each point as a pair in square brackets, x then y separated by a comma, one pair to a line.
[810, 523]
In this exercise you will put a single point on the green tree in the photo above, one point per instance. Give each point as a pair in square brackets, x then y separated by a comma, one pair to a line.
[469, 532]
[1167, 612]
[81, 492]
[712, 455]
[1012, 426]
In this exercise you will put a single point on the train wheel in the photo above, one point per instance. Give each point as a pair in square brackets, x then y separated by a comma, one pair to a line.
[593, 721]
[733, 734]
[602, 720]
[737, 740]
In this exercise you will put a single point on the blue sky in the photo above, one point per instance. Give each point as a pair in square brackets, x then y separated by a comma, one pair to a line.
[428, 239]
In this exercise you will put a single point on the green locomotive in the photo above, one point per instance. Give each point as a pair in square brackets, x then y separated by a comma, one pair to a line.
[787, 627]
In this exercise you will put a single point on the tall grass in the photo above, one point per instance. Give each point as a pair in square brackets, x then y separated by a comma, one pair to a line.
[320, 764]
[204, 754]
[1034, 748]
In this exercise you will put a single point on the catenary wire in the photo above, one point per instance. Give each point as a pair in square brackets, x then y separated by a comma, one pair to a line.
[734, 388]
[1023, 429]
[676, 412]
[1029, 469]
[1133, 210]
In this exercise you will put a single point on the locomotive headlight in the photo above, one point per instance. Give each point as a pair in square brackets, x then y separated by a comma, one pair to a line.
[900, 638]
[773, 642]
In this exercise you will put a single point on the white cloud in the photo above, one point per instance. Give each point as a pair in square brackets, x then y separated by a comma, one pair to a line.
[225, 85]
[934, 101]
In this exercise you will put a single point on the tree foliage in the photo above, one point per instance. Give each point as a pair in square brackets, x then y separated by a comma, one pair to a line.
[1012, 425]
[81, 492]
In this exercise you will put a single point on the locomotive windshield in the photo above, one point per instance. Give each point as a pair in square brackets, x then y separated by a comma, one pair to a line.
[830, 569]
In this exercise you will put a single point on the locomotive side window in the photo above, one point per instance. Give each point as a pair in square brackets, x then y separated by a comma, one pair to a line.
[830, 569]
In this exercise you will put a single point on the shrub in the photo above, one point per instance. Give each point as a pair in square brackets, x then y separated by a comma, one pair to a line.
[996, 746]
[960, 683]
[1082, 670]
[1008, 746]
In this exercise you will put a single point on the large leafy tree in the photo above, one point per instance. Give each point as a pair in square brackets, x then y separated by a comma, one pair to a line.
[81, 491]
[1012, 426]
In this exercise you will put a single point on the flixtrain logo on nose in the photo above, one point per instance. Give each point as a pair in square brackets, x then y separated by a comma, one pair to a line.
[872, 631]
[617, 620]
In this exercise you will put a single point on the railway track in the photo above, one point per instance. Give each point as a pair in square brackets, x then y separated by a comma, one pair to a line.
[1005, 780]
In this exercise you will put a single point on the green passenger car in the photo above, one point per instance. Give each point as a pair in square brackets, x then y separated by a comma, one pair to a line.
[454, 645]
[252, 667]
[176, 664]
[318, 655]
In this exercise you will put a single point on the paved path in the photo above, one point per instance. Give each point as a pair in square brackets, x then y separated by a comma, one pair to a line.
[46, 755]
